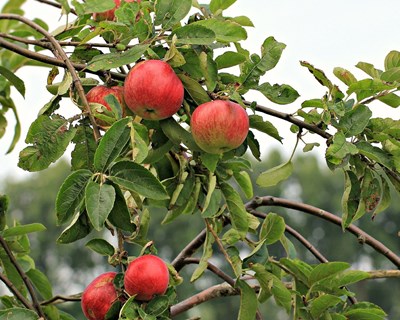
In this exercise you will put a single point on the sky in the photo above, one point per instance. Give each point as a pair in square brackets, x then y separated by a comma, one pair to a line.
[326, 34]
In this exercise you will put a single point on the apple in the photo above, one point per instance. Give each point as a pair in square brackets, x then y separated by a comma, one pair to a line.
[146, 277]
[219, 126]
[98, 93]
[109, 14]
[152, 90]
[99, 296]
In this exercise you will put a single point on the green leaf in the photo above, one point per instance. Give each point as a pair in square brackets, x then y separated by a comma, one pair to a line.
[85, 147]
[216, 5]
[210, 160]
[248, 301]
[170, 12]
[194, 89]
[207, 254]
[117, 59]
[15, 81]
[209, 69]
[4, 203]
[368, 87]
[339, 150]
[120, 216]
[236, 209]
[229, 59]
[157, 306]
[18, 314]
[79, 228]
[272, 228]
[136, 178]
[49, 138]
[326, 270]
[101, 246]
[322, 303]
[112, 144]
[350, 198]
[70, 195]
[392, 60]
[178, 134]
[99, 200]
[257, 122]
[318, 74]
[140, 145]
[369, 69]
[275, 175]
[344, 75]
[41, 283]
[194, 34]
[391, 75]
[22, 230]
[225, 31]
[244, 181]
[355, 121]
[98, 5]
[280, 94]
[375, 154]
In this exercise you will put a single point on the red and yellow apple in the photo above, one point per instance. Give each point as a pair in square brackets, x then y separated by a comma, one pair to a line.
[109, 14]
[146, 277]
[99, 296]
[219, 126]
[152, 90]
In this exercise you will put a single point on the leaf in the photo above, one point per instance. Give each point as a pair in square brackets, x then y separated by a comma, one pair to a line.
[79, 228]
[392, 60]
[229, 59]
[170, 12]
[318, 74]
[257, 122]
[178, 134]
[117, 59]
[157, 306]
[112, 144]
[375, 154]
[355, 120]
[210, 160]
[391, 75]
[207, 254]
[209, 69]
[70, 195]
[85, 147]
[18, 314]
[322, 303]
[194, 89]
[338, 150]
[194, 34]
[272, 229]
[101, 246]
[120, 216]
[17, 82]
[326, 270]
[368, 87]
[280, 94]
[275, 175]
[248, 301]
[220, 5]
[225, 31]
[344, 75]
[4, 203]
[41, 283]
[244, 181]
[369, 69]
[49, 138]
[236, 209]
[136, 178]
[99, 200]
[22, 230]
[98, 5]
[350, 198]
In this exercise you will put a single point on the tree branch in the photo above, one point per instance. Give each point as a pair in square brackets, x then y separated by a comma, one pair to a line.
[54, 4]
[61, 299]
[363, 237]
[16, 292]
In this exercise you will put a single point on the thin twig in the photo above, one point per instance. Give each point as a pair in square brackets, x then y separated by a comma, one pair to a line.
[179, 262]
[54, 4]
[16, 292]
[61, 299]
[23, 275]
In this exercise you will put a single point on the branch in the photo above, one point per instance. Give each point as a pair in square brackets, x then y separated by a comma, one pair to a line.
[363, 237]
[16, 292]
[59, 52]
[381, 274]
[54, 4]
[24, 277]
[289, 118]
[61, 299]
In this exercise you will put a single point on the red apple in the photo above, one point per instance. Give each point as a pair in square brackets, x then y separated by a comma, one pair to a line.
[152, 90]
[98, 296]
[146, 277]
[97, 95]
[109, 14]
[219, 126]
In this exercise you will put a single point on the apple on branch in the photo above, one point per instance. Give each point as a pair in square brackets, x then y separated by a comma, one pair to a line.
[152, 90]
[219, 126]
[146, 277]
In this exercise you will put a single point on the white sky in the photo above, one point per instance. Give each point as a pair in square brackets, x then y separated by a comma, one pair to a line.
[327, 34]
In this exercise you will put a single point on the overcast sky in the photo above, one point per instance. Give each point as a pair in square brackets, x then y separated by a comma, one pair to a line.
[327, 34]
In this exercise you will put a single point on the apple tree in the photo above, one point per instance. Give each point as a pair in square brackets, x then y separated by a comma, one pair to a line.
[161, 120]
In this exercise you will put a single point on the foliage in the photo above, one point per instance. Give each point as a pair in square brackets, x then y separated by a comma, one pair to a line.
[125, 169]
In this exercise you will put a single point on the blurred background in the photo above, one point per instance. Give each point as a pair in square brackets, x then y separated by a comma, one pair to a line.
[326, 34]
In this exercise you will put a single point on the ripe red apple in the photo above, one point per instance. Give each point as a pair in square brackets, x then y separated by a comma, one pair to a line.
[152, 90]
[109, 14]
[146, 277]
[98, 93]
[98, 296]
[219, 126]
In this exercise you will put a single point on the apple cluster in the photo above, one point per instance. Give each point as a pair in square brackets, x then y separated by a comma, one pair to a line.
[153, 91]
[145, 277]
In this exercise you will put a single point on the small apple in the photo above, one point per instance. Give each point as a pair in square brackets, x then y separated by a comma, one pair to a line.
[152, 90]
[98, 93]
[99, 296]
[109, 14]
[219, 126]
[146, 277]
